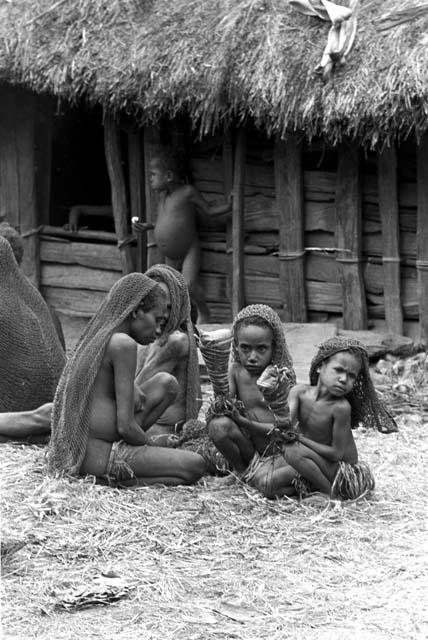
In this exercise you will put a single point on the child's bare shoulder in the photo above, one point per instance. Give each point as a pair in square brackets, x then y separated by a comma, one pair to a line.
[299, 389]
[342, 408]
[121, 344]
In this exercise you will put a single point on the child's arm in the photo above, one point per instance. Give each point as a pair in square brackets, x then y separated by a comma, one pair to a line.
[340, 435]
[293, 404]
[232, 381]
[123, 352]
[207, 210]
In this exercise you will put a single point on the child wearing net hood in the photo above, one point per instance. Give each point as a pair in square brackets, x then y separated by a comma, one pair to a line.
[96, 428]
[321, 454]
[260, 376]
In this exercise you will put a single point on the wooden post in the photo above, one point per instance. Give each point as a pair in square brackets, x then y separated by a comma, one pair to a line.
[118, 192]
[389, 216]
[227, 158]
[238, 290]
[422, 236]
[348, 236]
[9, 162]
[151, 139]
[290, 207]
[136, 192]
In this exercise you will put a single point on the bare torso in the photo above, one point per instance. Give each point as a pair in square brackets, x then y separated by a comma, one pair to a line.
[255, 405]
[316, 419]
[176, 225]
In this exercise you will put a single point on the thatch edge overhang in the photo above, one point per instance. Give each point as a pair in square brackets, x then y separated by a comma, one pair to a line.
[222, 62]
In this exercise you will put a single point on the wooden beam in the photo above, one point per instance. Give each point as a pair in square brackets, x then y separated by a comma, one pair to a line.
[136, 191]
[389, 215]
[422, 236]
[118, 191]
[227, 161]
[238, 287]
[290, 207]
[348, 236]
[151, 140]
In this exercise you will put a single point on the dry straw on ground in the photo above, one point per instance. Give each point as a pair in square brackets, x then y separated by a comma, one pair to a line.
[211, 562]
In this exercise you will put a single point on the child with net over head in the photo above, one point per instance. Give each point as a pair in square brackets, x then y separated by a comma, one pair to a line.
[260, 376]
[181, 208]
[320, 454]
[99, 422]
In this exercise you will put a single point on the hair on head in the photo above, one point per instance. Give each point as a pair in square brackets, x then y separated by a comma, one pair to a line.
[171, 159]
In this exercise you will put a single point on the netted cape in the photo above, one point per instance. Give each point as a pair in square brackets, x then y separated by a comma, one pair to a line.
[366, 407]
[179, 318]
[31, 355]
[70, 412]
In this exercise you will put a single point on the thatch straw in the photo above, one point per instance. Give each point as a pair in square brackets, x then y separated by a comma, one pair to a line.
[214, 562]
[224, 60]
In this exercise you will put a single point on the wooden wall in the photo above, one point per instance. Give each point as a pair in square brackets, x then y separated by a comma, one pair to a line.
[324, 294]
[75, 278]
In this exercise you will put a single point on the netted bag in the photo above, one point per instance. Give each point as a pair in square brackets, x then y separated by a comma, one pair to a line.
[215, 349]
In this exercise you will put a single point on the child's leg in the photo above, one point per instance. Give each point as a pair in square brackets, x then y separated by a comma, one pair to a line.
[159, 465]
[159, 392]
[231, 442]
[191, 273]
[313, 467]
[274, 478]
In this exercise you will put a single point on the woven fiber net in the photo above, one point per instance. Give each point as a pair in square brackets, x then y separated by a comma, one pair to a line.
[31, 355]
[366, 408]
[215, 349]
[70, 412]
[179, 318]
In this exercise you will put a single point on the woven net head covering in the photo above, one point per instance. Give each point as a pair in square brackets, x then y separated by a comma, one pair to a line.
[280, 371]
[366, 407]
[31, 355]
[179, 318]
[70, 411]
[280, 356]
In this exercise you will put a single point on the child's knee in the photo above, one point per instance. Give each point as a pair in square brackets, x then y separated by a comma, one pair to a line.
[169, 385]
[220, 429]
[196, 469]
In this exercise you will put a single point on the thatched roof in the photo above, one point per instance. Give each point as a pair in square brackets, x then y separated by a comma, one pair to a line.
[222, 59]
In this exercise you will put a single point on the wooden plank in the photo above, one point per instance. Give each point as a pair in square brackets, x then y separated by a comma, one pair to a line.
[389, 214]
[227, 159]
[118, 191]
[422, 236]
[151, 140]
[238, 284]
[348, 236]
[72, 327]
[137, 192]
[74, 276]
[289, 199]
[98, 256]
[9, 169]
[83, 302]
[43, 156]
[59, 232]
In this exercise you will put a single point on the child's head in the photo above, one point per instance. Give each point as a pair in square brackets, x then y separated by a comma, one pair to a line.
[166, 168]
[148, 319]
[253, 343]
[339, 372]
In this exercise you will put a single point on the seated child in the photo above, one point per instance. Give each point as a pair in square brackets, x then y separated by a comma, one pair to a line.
[180, 208]
[322, 455]
[95, 429]
[242, 432]
[175, 352]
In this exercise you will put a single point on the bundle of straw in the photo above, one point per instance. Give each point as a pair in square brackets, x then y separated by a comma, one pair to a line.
[352, 481]
[215, 350]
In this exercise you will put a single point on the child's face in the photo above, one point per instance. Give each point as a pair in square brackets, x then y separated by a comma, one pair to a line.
[338, 373]
[159, 177]
[146, 326]
[254, 345]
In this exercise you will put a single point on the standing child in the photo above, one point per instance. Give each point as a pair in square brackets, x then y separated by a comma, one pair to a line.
[181, 207]
[260, 376]
[95, 429]
[322, 454]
